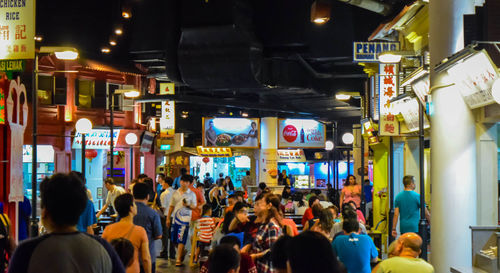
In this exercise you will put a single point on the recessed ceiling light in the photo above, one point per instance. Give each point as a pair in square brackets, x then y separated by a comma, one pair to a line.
[342, 97]
[38, 38]
[105, 50]
[126, 14]
[118, 31]
[112, 42]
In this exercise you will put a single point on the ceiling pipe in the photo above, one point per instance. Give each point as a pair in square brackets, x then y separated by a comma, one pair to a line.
[371, 5]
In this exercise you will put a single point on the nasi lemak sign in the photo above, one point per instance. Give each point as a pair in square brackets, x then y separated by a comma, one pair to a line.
[369, 51]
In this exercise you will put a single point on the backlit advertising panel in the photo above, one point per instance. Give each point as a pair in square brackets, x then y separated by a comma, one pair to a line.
[301, 133]
[231, 132]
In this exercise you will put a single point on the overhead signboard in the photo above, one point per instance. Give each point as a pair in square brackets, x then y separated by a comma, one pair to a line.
[214, 151]
[99, 139]
[388, 89]
[301, 133]
[231, 132]
[409, 110]
[369, 51]
[296, 155]
[167, 88]
[475, 76]
[12, 65]
[17, 29]
[147, 141]
[167, 120]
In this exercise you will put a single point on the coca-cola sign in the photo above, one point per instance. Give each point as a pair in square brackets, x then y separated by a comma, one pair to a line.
[301, 133]
[290, 133]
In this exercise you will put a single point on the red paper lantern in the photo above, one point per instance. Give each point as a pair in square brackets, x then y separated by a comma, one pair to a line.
[206, 160]
[90, 154]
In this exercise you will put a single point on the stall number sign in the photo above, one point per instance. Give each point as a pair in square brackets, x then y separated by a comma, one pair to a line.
[388, 89]
[167, 120]
[97, 139]
[369, 51]
[17, 29]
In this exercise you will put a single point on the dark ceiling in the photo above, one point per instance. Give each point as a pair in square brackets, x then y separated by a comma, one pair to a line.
[264, 57]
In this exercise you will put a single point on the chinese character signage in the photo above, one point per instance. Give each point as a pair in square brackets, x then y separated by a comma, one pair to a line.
[17, 29]
[96, 139]
[301, 133]
[214, 151]
[296, 155]
[369, 51]
[388, 89]
[231, 132]
[167, 120]
[167, 88]
[475, 77]
[2, 102]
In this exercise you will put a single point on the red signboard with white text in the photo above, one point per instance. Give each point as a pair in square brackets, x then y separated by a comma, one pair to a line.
[301, 133]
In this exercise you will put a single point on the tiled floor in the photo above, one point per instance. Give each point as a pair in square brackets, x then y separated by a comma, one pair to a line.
[164, 266]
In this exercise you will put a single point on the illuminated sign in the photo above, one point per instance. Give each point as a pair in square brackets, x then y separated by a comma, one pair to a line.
[17, 29]
[301, 133]
[167, 120]
[165, 147]
[369, 51]
[409, 110]
[96, 139]
[167, 88]
[475, 76]
[388, 89]
[231, 132]
[214, 151]
[12, 65]
[296, 155]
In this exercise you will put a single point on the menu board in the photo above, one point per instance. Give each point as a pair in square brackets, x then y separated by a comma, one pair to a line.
[409, 110]
[231, 132]
[301, 181]
[301, 133]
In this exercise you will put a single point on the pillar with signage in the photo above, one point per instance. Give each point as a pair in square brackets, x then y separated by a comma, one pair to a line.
[268, 160]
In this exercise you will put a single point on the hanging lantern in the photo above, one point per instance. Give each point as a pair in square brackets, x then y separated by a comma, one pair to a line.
[205, 160]
[90, 154]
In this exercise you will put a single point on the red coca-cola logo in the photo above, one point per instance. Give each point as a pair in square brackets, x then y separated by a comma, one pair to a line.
[290, 133]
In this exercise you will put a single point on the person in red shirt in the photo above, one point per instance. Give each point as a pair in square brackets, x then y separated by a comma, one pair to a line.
[246, 263]
[308, 215]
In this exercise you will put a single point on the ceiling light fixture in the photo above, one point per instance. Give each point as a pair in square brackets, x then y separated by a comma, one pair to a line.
[342, 97]
[38, 38]
[118, 31]
[320, 12]
[244, 114]
[388, 57]
[105, 50]
[112, 42]
[126, 14]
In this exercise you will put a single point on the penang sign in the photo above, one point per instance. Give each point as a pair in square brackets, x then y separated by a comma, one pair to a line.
[369, 51]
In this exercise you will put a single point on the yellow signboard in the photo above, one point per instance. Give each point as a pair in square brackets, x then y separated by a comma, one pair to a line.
[214, 151]
[17, 29]
[167, 88]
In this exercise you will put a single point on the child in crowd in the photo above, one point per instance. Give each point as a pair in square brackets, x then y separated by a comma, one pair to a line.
[206, 227]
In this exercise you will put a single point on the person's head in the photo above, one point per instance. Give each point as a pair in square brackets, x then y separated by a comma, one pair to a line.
[248, 173]
[224, 259]
[109, 183]
[254, 125]
[326, 220]
[262, 186]
[264, 207]
[409, 182]
[287, 189]
[283, 172]
[207, 174]
[167, 182]
[200, 187]
[186, 181]
[79, 175]
[228, 179]
[206, 210]
[352, 204]
[350, 225]
[351, 180]
[410, 243]
[232, 241]
[125, 206]
[313, 200]
[392, 250]
[348, 212]
[231, 200]
[329, 186]
[279, 253]
[334, 210]
[160, 178]
[367, 182]
[211, 124]
[316, 210]
[240, 211]
[125, 250]
[221, 175]
[63, 199]
[311, 252]
[141, 177]
[141, 191]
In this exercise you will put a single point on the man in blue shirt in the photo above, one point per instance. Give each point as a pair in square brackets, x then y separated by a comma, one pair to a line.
[148, 219]
[355, 251]
[407, 207]
[177, 180]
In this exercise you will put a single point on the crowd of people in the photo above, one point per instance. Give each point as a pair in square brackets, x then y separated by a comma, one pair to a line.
[228, 230]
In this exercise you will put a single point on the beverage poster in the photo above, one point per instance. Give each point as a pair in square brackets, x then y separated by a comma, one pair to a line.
[231, 132]
[301, 133]
[268, 167]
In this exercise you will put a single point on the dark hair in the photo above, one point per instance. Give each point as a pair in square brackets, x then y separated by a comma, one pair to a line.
[326, 220]
[262, 185]
[352, 202]
[239, 206]
[123, 203]
[347, 180]
[284, 193]
[140, 191]
[222, 259]
[183, 171]
[207, 174]
[221, 175]
[64, 197]
[311, 252]
[162, 176]
[407, 180]
[248, 172]
[233, 196]
[142, 175]
[335, 208]
[316, 210]
[228, 218]
[109, 180]
[350, 225]
[151, 191]
[273, 212]
[279, 252]
[348, 212]
[125, 250]
[206, 208]
[230, 240]
[187, 178]
[200, 185]
[169, 180]
[312, 199]
[78, 175]
[299, 197]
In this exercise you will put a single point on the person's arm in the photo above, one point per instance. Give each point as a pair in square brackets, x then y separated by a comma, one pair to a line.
[103, 209]
[169, 214]
[374, 252]
[395, 222]
[427, 215]
[341, 199]
[145, 256]
[90, 230]
[157, 229]
[306, 226]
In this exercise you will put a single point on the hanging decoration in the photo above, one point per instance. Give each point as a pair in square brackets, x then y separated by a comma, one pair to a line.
[90, 154]
[206, 160]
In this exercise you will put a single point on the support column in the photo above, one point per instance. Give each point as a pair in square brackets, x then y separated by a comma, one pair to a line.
[357, 152]
[487, 177]
[268, 160]
[453, 145]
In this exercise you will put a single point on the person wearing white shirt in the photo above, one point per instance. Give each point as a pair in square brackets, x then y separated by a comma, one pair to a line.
[165, 197]
[113, 192]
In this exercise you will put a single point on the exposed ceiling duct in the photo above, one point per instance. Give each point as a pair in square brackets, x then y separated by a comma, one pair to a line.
[371, 5]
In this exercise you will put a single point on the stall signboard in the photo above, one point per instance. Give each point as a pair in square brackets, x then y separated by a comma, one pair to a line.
[409, 110]
[388, 89]
[17, 29]
[231, 132]
[301, 133]
[214, 151]
[167, 119]
[99, 139]
[369, 51]
[296, 155]
[475, 76]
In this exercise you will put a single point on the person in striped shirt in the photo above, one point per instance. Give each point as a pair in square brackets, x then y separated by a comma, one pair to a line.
[206, 228]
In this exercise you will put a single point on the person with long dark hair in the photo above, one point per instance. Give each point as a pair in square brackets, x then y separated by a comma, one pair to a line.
[351, 191]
